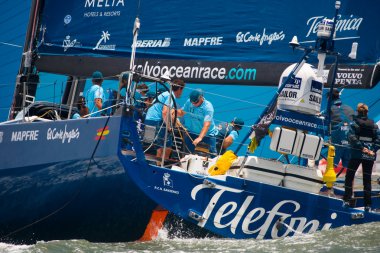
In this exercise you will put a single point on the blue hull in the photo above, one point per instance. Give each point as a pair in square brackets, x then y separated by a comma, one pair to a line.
[51, 189]
[241, 209]
[233, 207]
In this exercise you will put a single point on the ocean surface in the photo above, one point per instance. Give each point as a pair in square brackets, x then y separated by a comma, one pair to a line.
[358, 238]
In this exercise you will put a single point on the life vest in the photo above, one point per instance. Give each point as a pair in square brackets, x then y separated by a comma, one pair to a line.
[365, 131]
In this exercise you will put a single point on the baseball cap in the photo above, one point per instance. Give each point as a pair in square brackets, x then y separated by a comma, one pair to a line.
[125, 76]
[97, 75]
[195, 94]
[239, 122]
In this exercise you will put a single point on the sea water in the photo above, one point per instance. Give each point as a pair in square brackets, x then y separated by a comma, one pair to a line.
[357, 238]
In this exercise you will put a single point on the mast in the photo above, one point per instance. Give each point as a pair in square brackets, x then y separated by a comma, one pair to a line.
[26, 80]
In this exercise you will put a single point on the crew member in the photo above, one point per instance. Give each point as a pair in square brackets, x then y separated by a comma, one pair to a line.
[227, 134]
[95, 95]
[364, 139]
[198, 119]
[157, 116]
[341, 116]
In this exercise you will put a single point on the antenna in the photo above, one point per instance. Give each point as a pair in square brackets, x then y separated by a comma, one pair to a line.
[294, 42]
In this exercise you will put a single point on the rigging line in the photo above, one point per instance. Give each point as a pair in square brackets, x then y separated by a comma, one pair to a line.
[232, 98]
[237, 109]
[17, 37]
[9, 44]
[252, 96]
[75, 195]
[374, 103]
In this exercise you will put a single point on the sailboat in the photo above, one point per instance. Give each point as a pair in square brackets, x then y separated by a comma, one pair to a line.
[251, 197]
[61, 178]
[65, 179]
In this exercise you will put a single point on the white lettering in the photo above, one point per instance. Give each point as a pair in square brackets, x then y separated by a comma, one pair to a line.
[232, 214]
[25, 135]
[203, 41]
[350, 24]
[103, 3]
[259, 38]
[63, 135]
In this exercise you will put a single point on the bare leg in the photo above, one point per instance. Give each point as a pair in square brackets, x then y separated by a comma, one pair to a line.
[159, 155]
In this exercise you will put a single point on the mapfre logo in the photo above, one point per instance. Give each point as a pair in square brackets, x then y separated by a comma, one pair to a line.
[203, 41]
[68, 43]
[103, 42]
[154, 43]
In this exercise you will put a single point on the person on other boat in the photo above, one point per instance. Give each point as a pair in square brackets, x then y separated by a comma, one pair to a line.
[228, 133]
[157, 116]
[364, 139]
[83, 109]
[148, 101]
[341, 117]
[95, 95]
[198, 117]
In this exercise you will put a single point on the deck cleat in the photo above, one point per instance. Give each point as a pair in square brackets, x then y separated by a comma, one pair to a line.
[208, 183]
[195, 215]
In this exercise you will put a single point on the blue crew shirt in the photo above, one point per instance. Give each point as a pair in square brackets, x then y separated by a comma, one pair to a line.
[93, 93]
[196, 116]
[155, 111]
[226, 130]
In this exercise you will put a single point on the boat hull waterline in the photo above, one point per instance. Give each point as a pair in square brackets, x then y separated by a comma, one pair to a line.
[58, 181]
[235, 207]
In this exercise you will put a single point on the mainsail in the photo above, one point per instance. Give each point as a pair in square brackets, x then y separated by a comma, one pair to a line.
[234, 42]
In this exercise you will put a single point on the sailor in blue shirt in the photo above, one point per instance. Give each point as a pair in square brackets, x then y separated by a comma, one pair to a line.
[95, 95]
[157, 116]
[341, 117]
[228, 133]
[199, 120]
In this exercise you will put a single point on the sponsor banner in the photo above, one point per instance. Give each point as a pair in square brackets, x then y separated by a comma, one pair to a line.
[245, 73]
[236, 33]
[300, 121]
[193, 71]
[354, 76]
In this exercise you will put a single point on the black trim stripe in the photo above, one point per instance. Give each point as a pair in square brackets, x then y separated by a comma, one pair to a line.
[279, 139]
[294, 142]
[260, 169]
[280, 173]
[303, 142]
[316, 151]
